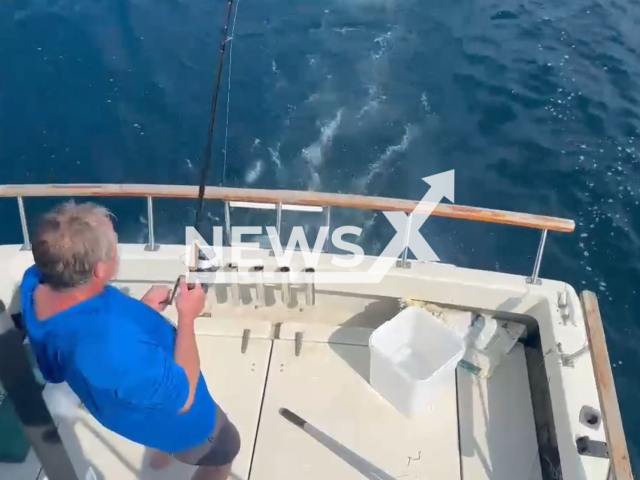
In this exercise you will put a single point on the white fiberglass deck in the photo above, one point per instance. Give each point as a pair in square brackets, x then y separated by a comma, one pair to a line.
[476, 430]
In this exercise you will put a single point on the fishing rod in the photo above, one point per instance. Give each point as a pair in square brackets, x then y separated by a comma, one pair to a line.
[203, 264]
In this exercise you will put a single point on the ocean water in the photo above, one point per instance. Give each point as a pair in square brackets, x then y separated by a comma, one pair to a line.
[534, 104]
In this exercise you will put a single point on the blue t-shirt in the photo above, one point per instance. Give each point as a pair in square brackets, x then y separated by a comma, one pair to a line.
[116, 354]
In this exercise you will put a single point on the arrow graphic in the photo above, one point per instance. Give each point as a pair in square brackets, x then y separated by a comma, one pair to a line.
[442, 185]
[408, 226]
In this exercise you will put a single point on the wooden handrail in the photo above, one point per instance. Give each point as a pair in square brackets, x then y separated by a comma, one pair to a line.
[616, 441]
[291, 197]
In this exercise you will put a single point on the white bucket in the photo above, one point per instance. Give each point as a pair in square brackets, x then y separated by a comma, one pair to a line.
[413, 356]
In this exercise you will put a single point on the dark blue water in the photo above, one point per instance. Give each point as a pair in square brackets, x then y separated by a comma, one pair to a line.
[534, 104]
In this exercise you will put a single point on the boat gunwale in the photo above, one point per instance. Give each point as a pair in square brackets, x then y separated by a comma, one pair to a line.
[620, 467]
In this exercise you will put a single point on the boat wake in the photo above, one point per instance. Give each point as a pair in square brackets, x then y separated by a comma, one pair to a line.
[275, 156]
[314, 153]
[383, 163]
[254, 172]
[382, 42]
[424, 101]
[374, 100]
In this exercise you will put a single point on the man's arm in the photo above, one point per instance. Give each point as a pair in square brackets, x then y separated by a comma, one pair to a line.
[190, 304]
[157, 297]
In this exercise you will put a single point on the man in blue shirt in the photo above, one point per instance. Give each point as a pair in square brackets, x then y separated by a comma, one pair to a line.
[137, 374]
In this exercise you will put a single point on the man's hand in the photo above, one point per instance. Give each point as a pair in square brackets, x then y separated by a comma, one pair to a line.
[190, 303]
[157, 297]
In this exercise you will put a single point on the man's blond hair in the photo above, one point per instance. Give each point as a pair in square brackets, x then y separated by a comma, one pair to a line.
[70, 241]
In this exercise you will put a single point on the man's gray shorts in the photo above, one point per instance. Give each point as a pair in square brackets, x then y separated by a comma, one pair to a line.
[219, 449]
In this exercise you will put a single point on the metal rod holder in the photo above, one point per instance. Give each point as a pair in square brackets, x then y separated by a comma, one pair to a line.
[227, 224]
[533, 279]
[232, 270]
[309, 286]
[404, 261]
[151, 246]
[327, 223]
[285, 285]
[258, 271]
[26, 245]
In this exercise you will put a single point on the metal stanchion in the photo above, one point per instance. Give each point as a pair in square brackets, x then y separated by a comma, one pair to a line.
[24, 392]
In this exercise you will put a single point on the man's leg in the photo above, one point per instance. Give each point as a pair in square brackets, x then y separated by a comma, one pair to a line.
[212, 473]
[214, 457]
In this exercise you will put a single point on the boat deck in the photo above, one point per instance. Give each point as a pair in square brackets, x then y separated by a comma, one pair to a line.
[477, 429]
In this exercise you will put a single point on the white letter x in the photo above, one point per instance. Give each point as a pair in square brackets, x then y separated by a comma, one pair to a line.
[408, 230]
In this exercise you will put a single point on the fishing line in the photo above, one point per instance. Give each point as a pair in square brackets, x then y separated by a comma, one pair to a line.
[208, 152]
[226, 134]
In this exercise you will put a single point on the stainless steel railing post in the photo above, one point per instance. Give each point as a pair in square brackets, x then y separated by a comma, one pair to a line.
[151, 246]
[404, 262]
[533, 279]
[327, 223]
[227, 224]
[26, 245]
[278, 227]
[279, 220]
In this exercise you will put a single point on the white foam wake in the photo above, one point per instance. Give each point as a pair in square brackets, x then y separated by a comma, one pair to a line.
[344, 30]
[373, 102]
[275, 156]
[424, 100]
[383, 162]
[382, 45]
[253, 173]
[314, 153]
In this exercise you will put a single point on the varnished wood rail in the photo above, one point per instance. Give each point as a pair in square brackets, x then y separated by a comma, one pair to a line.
[616, 441]
[280, 199]
[290, 197]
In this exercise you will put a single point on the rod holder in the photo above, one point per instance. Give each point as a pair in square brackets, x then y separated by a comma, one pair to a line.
[151, 246]
[285, 285]
[258, 272]
[26, 244]
[533, 279]
[309, 286]
[232, 270]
